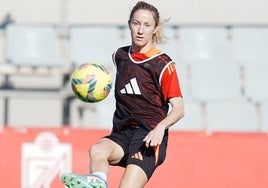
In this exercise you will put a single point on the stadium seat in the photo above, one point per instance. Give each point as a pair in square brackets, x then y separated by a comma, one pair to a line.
[215, 81]
[263, 116]
[2, 58]
[231, 116]
[5, 68]
[35, 111]
[255, 81]
[249, 44]
[35, 52]
[32, 45]
[218, 86]
[2, 81]
[193, 119]
[2, 113]
[203, 44]
[2, 44]
[93, 43]
[2, 76]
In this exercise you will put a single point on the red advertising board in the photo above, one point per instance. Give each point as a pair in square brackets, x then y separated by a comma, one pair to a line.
[31, 158]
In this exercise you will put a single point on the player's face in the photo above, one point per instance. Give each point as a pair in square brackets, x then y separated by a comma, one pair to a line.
[142, 27]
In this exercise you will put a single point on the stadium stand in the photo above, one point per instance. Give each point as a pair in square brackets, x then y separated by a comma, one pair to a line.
[194, 110]
[203, 43]
[231, 116]
[216, 62]
[34, 76]
[34, 52]
[2, 113]
[32, 45]
[2, 58]
[208, 77]
[212, 81]
[89, 44]
[255, 79]
[249, 44]
[218, 87]
[263, 116]
[194, 118]
[2, 38]
[38, 112]
[249, 47]
[93, 43]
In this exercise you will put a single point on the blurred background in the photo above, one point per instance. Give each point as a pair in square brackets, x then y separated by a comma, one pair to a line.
[221, 52]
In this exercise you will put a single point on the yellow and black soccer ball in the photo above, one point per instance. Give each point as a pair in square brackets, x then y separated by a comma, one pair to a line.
[91, 82]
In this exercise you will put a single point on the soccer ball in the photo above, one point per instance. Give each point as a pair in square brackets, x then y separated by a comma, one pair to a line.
[91, 82]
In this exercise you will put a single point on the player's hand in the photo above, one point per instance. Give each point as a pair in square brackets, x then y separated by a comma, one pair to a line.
[155, 136]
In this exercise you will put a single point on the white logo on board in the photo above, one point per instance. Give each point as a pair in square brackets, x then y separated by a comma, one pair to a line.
[44, 160]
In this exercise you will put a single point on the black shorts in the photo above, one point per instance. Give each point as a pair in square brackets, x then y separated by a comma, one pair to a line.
[130, 138]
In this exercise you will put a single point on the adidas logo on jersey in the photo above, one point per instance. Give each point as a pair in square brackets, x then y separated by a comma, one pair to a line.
[131, 88]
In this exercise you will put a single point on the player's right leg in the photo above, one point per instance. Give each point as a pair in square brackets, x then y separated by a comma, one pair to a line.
[102, 154]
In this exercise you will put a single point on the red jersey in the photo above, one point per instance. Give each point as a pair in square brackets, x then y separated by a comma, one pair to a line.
[143, 86]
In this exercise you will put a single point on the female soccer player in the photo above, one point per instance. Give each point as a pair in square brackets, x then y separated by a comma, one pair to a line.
[146, 83]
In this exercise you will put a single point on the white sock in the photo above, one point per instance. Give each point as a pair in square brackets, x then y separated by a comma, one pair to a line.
[100, 174]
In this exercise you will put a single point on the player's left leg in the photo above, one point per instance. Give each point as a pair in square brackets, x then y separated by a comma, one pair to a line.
[133, 177]
[142, 161]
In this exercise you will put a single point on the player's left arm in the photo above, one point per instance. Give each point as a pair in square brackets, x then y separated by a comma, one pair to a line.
[172, 92]
[155, 136]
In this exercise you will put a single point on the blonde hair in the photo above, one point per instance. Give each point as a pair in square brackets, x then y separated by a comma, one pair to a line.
[158, 37]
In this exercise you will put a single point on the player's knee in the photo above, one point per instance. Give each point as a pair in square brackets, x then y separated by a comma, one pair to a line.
[94, 150]
[98, 150]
